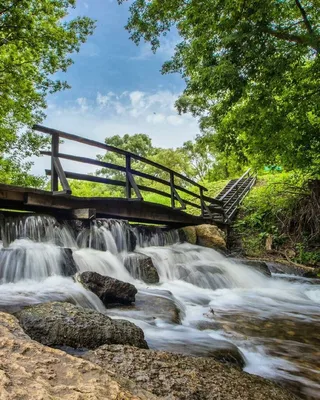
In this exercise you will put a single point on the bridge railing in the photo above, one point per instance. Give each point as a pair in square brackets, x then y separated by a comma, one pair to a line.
[57, 174]
[233, 197]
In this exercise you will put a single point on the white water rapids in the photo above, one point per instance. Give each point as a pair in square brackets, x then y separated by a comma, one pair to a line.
[273, 321]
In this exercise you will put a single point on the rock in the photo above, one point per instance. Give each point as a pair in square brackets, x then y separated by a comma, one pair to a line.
[151, 304]
[109, 290]
[30, 370]
[210, 236]
[63, 324]
[258, 265]
[178, 377]
[189, 234]
[285, 267]
[68, 266]
[203, 325]
[131, 239]
[141, 267]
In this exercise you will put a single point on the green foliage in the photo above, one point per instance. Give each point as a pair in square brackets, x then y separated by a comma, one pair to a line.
[303, 256]
[251, 70]
[274, 207]
[36, 41]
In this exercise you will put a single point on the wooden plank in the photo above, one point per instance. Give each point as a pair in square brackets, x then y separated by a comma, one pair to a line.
[86, 160]
[35, 199]
[62, 176]
[173, 202]
[128, 183]
[176, 195]
[134, 186]
[10, 195]
[91, 178]
[54, 152]
[84, 213]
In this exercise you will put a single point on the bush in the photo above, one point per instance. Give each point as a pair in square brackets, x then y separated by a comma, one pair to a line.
[287, 207]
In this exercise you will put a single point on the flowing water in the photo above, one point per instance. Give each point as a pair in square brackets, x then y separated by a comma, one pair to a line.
[204, 298]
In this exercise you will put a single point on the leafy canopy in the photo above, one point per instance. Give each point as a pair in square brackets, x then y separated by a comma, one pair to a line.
[36, 41]
[251, 69]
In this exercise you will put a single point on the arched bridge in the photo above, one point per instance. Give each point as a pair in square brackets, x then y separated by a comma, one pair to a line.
[187, 203]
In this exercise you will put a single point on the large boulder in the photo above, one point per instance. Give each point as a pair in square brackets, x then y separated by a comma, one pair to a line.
[211, 236]
[30, 370]
[189, 234]
[64, 324]
[141, 267]
[178, 377]
[109, 290]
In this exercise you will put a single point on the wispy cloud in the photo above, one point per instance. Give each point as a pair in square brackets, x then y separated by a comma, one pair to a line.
[110, 113]
[165, 51]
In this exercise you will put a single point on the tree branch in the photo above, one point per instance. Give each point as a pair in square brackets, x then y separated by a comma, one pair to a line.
[305, 18]
[315, 40]
[292, 38]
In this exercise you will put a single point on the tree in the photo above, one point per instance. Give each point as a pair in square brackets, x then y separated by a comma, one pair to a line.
[251, 68]
[36, 41]
[141, 144]
[138, 143]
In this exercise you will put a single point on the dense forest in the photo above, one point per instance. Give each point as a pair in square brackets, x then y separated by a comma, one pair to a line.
[252, 78]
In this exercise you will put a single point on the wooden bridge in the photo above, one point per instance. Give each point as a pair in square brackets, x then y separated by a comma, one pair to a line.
[188, 203]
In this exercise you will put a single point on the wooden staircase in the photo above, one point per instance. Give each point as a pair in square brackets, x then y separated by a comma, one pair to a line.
[233, 194]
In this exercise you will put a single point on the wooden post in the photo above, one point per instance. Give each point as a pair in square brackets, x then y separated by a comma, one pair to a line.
[128, 171]
[172, 190]
[54, 153]
[202, 201]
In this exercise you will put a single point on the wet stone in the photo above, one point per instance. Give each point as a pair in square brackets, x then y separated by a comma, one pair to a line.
[109, 290]
[141, 267]
[178, 377]
[151, 305]
[63, 324]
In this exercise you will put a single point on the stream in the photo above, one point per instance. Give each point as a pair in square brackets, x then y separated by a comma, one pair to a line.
[274, 321]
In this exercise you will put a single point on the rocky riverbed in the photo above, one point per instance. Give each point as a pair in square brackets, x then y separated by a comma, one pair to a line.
[32, 370]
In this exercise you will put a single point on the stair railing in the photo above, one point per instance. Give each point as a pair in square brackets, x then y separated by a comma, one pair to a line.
[241, 187]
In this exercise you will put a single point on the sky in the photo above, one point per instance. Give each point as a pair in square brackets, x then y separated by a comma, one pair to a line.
[117, 87]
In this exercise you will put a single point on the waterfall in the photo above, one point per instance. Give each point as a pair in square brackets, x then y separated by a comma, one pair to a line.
[216, 298]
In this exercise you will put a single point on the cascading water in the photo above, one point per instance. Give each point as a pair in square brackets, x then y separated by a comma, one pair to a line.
[273, 321]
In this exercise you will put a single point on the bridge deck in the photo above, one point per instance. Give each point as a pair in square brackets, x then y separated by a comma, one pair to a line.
[69, 207]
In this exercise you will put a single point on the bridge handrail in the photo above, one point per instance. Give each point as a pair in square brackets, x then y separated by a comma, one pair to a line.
[57, 172]
[113, 149]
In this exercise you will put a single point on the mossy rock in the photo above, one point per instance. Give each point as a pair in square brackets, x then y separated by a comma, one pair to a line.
[189, 234]
[210, 236]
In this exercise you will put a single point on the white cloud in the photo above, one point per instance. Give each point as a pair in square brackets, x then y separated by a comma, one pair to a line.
[103, 101]
[109, 114]
[136, 98]
[155, 118]
[83, 103]
[165, 51]
[175, 120]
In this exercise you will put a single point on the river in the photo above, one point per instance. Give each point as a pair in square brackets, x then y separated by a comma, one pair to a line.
[274, 321]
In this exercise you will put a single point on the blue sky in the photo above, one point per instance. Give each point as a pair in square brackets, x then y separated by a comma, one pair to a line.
[117, 87]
